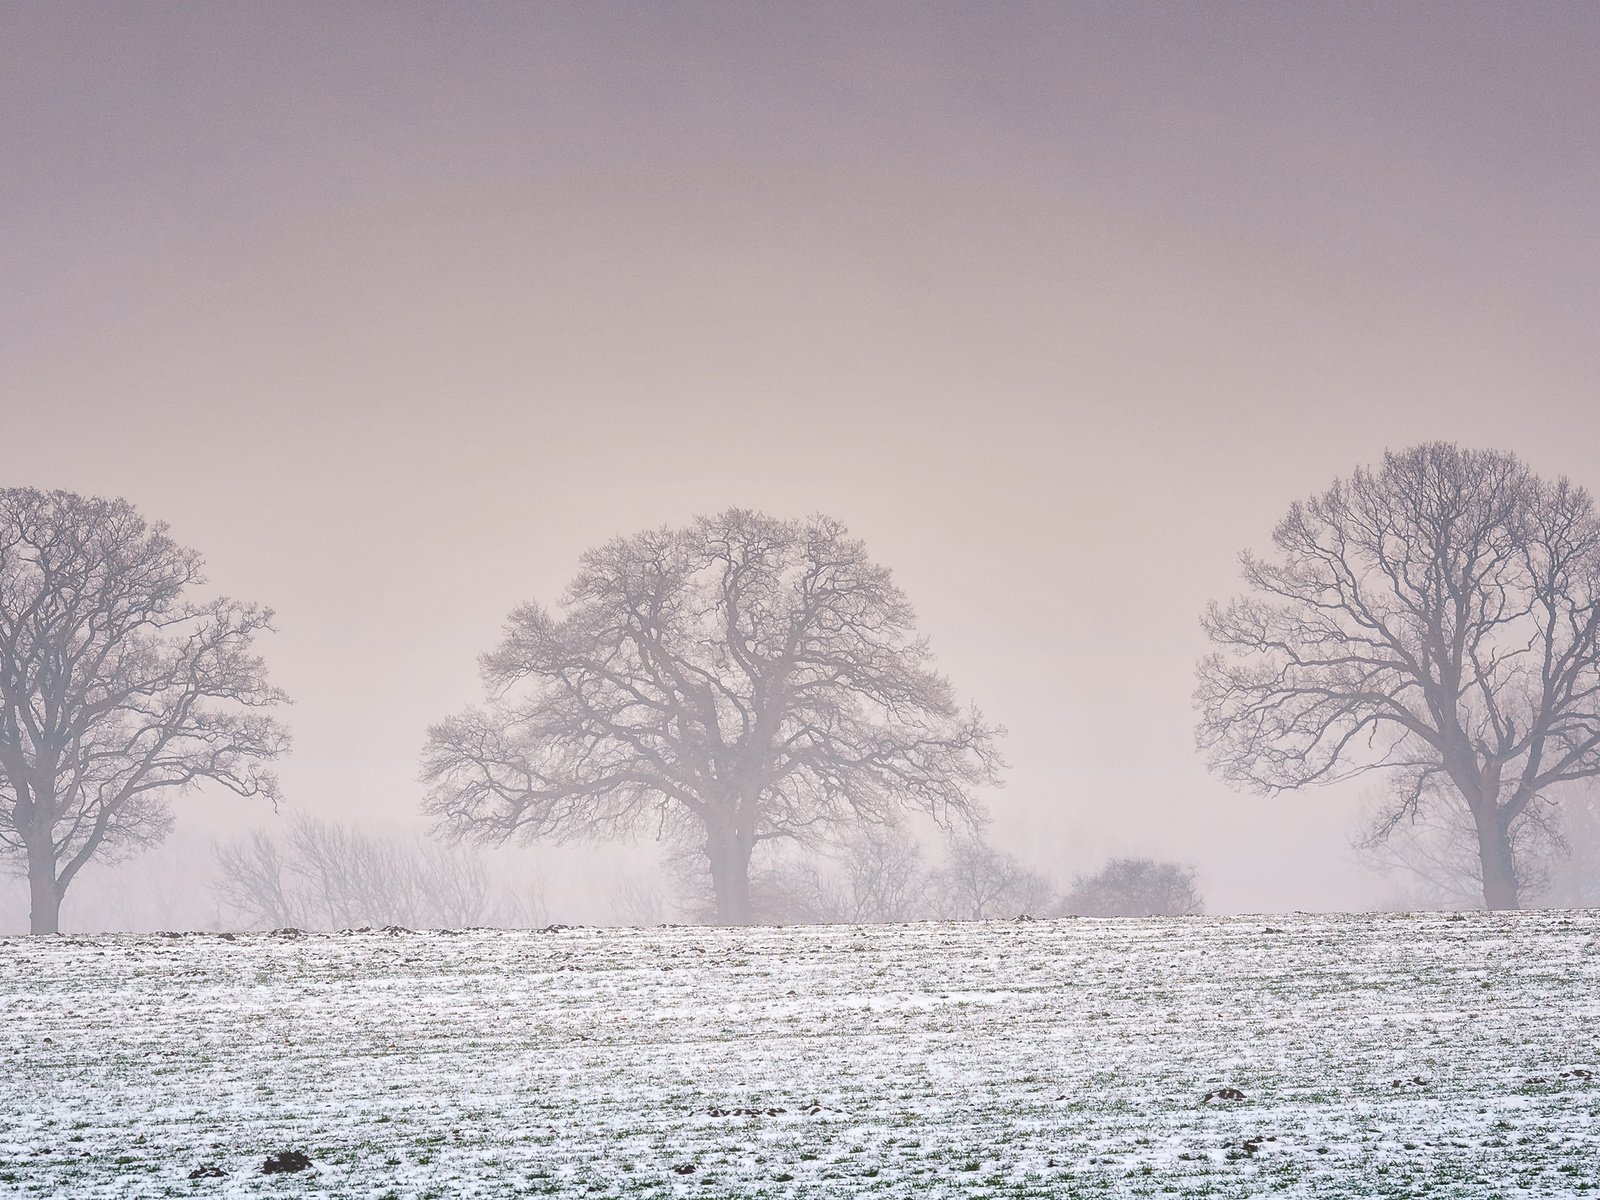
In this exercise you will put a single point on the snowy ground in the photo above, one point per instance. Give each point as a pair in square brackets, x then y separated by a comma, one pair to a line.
[1376, 1055]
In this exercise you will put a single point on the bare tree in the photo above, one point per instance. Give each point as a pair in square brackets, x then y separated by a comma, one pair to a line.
[330, 875]
[638, 902]
[791, 887]
[1437, 618]
[978, 883]
[741, 681]
[1135, 887]
[459, 891]
[116, 690]
[254, 879]
[884, 876]
[522, 905]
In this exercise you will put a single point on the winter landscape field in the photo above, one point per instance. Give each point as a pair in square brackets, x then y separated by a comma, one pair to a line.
[1313, 1055]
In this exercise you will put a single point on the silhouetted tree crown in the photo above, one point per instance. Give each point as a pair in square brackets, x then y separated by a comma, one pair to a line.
[117, 690]
[1436, 617]
[738, 681]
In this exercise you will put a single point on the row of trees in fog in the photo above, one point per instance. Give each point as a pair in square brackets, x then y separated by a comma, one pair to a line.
[318, 874]
[882, 874]
[311, 873]
[750, 690]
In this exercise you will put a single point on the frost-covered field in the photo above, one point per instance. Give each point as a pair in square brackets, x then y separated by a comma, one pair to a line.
[1376, 1055]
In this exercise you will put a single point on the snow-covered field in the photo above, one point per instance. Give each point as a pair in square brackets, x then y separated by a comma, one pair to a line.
[1372, 1055]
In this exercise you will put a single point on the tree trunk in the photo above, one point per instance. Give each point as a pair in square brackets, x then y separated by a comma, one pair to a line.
[45, 914]
[1500, 889]
[730, 876]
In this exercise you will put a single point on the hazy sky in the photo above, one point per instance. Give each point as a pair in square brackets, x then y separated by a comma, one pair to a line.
[392, 310]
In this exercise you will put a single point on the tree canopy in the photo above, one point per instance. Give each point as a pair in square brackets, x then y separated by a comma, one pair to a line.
[1437, 618]
[737, 681]
[117, 689]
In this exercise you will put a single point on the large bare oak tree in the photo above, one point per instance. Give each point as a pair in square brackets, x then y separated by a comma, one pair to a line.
[116, 690]
[738, 681]
[1436, 617]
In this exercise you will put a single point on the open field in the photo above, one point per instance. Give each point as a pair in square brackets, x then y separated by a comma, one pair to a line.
[1375, 1055]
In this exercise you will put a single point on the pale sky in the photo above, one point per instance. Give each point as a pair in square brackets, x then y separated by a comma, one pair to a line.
[393, 310]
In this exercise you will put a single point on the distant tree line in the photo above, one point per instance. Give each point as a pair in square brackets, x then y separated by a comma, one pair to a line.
[310, 873]
[879, 874]
[317, 874]
[755, 694]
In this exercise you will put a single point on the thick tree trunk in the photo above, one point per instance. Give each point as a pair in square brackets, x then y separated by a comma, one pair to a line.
[45, 915]
[1494, 857]
[730, 876]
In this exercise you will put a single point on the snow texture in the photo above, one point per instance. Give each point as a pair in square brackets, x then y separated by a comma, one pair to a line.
[1344, 1056]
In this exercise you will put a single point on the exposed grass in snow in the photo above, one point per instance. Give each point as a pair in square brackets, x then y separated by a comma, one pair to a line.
[1377, 1056]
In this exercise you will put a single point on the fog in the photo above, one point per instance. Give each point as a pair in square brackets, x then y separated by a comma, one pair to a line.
[393, 313]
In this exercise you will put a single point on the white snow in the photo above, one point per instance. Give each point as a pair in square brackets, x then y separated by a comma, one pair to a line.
[1377, 1055]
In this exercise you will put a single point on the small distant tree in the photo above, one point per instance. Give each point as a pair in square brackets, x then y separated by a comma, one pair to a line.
[118, 690]
[1135, 887]
[883, 876]
[740, 682]
[256, 881]
[638, 902]
[793, 887]
[978, 883]
[1436, 618]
